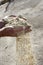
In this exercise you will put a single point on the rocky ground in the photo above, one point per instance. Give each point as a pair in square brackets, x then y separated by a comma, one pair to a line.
[33, 11]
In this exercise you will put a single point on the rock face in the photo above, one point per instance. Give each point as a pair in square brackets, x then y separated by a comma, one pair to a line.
[33, 11]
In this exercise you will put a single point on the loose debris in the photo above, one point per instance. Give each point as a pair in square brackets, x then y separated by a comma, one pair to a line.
[15, 25]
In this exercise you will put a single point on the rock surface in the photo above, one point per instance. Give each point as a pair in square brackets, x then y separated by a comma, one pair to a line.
[33, 11]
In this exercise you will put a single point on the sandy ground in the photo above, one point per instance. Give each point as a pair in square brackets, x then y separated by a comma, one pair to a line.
[33, 11]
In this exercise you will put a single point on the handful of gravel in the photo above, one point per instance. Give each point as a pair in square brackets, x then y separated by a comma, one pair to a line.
[16, 21]
[14, 26]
